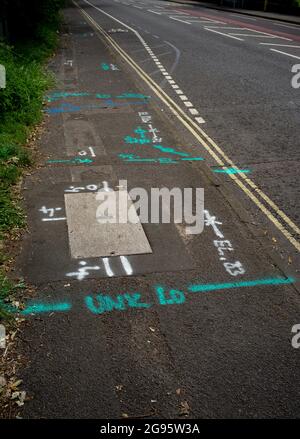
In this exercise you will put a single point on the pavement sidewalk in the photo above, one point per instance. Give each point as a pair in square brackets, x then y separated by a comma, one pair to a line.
[268, 15]
[150, 322]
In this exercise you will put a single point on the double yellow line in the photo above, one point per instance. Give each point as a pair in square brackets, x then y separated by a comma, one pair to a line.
[241, 179]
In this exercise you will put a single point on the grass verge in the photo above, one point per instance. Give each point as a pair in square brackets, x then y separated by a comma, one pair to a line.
[21, 104]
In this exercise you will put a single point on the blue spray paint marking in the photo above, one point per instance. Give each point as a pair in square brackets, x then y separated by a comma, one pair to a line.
[175, 296]
[102, 96]
[195, 159]
[36, 308]
[68, 108]
[231, 171]
[55, 96]
[62, 95]
[105, 66]
[104, 303]
[132, 158]
[120, 303]
[75, 161]
[252, 283]
[133, 96]
[170, 150]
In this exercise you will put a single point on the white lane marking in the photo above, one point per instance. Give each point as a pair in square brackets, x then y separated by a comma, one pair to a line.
[194, 112]
[211, 19]
[188, 104]
[206, 22]
[284, 53]
[267, 33]
[245, 18]
[254, 36]
[144, 44]
[225, 27]
[287, 25]
[169, 77]
[178, 19]
[155, 36]
[154, 12]
[225, 35]
[178, 112]
[171, 81]
[178, 13]
[126, 265]
[280, 45]
[199, 119]
[183, 98]
[107, 267]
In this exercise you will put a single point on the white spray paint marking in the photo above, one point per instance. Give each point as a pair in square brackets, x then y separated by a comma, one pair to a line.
[223, 246]
[126, 265]
[76, 189]
[106, 187]
[50, 212]
[69, 63]
[90, 151]
[83, 271]
[108, 270]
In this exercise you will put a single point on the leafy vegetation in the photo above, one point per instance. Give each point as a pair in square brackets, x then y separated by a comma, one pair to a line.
[23, 51]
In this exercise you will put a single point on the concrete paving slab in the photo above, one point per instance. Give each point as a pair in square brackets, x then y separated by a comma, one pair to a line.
[92, 236]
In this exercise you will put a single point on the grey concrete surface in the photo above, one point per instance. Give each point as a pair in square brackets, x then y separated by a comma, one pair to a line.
[204, 321]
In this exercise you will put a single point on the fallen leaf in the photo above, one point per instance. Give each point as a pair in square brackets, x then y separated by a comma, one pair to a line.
[22, 398]
[16, 384]
[184, 408]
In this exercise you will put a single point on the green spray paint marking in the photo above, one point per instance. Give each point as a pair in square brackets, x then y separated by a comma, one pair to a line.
[231, 171]
[75, 161]
[47, 307]
[251, 283]
[170, 150]
[105, 66]
[104, 303]
[133, 96]
[195, 159]
[60, 95]
[102, 96]
[131, 158]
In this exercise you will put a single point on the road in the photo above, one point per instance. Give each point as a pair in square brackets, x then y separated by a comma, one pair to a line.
[191, 326]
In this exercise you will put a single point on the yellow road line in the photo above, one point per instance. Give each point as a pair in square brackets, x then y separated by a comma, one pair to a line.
[196, 130]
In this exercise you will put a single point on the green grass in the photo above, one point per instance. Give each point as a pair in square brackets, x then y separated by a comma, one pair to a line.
[21, 104]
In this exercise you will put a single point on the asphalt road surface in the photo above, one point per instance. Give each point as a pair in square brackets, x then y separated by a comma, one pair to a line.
[149, 321]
